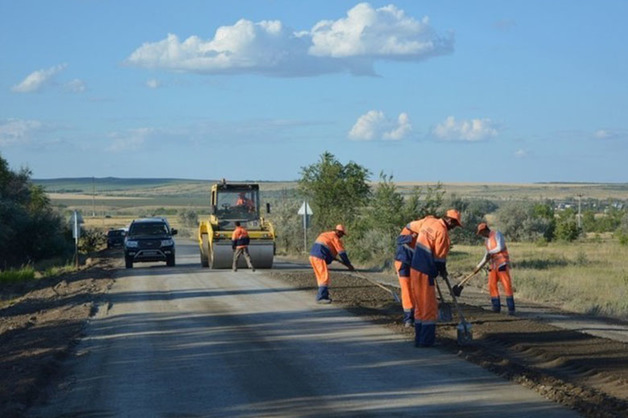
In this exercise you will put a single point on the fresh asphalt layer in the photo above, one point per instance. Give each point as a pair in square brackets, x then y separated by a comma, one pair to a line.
[187, 341]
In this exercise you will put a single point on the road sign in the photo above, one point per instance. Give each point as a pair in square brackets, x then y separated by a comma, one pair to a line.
[305, 209]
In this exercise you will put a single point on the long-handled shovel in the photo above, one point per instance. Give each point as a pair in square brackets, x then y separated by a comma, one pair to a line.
[465, 334]
[457, 289]
[394, 295]
[444, 309]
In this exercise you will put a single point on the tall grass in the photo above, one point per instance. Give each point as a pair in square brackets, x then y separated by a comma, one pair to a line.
[589, 276]
[17, 275]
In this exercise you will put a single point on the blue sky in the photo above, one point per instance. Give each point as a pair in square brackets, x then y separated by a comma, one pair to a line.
[451, 91]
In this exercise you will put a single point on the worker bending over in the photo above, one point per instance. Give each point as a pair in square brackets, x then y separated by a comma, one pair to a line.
[499, 267]
[429, 260]
[327, 247]
[406, 242]
[240, 245]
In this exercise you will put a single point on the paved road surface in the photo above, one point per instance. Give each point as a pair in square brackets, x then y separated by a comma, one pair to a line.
[186, 341]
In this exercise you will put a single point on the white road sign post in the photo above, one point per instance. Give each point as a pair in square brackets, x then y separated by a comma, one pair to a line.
[76, 233]
[305, 211]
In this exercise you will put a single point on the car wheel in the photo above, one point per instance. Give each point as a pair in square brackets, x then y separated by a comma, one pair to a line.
[170, 261]
[128, 262]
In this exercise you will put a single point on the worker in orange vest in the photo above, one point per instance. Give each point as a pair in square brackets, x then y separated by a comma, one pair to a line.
[245, 202]
[327, 248]
[406, 241]
[429, 260]
[499, 267]
[240, 245]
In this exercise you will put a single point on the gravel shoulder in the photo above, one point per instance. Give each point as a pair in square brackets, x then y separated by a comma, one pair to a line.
[41, 322]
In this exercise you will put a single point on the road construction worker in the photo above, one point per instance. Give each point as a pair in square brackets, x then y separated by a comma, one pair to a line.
[429, 260]
[240, 245]
[499, 267]
[245, 202]
[403, 258]
[327, 248]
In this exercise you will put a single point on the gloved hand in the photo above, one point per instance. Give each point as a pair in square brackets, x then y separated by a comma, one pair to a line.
[442, 269]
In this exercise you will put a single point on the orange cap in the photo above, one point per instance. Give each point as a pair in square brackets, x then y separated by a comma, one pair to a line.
[455, 215]
[341, 228]
[481, 227]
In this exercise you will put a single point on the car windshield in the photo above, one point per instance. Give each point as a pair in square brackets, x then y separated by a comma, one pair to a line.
[154, 228]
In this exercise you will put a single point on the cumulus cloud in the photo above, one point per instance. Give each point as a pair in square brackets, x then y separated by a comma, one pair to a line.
[383, 33]
[132, 140]
[374, 125]
[37, 80]
[15, 131]
[464, 130]
[271, 48]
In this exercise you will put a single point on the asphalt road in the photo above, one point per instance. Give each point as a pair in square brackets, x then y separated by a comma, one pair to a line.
[186, 341]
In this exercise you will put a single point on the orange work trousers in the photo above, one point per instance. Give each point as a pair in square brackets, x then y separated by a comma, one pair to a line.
[406, 288]
[320, 270]
[423, 298]
[495, 276]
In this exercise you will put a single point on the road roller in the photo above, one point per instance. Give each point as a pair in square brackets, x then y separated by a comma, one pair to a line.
[232, 202]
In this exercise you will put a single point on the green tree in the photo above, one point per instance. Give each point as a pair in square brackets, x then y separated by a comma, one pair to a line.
[337, 193]
[567, 225]
[519, 222]
[29, 229]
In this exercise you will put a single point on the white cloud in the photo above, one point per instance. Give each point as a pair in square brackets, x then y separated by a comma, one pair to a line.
[270, 48]
[374, 125]
[15, 131]
[384, 33]
[464, 130]
[153, 83]
[37, 80]
[132, 140]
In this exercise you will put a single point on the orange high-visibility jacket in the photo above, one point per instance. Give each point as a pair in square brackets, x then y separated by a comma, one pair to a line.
[328, 246]
[432, 246]
[240, 238]
[496, 248]
[406, 241]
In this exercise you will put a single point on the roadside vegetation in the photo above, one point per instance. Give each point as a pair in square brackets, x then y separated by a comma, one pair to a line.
[567, 249]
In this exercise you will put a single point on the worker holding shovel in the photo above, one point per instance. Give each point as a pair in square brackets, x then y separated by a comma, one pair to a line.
[499, 267]
[406, 242]
[328, 245]
[429, 260]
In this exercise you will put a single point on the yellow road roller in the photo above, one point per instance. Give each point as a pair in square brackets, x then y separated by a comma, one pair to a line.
[231, 202]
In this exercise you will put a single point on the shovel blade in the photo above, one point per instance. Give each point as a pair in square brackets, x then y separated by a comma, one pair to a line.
[444, 312]
[465, 333]
[457, 289]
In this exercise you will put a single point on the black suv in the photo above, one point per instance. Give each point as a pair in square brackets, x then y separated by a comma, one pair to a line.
[115, 238]
[149, 239]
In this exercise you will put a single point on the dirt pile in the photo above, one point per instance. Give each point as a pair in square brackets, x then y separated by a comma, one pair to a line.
[40, 322]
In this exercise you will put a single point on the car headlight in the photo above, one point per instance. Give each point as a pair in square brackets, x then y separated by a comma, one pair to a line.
[131, 244]
[167, 242]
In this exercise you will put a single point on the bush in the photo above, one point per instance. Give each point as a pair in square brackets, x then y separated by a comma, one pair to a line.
[519, 222]
[188, 218]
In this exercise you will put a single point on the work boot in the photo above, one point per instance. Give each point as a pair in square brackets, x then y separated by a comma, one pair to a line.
[324, 301]
[496, 305]
[235, 269]
[253, 269]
